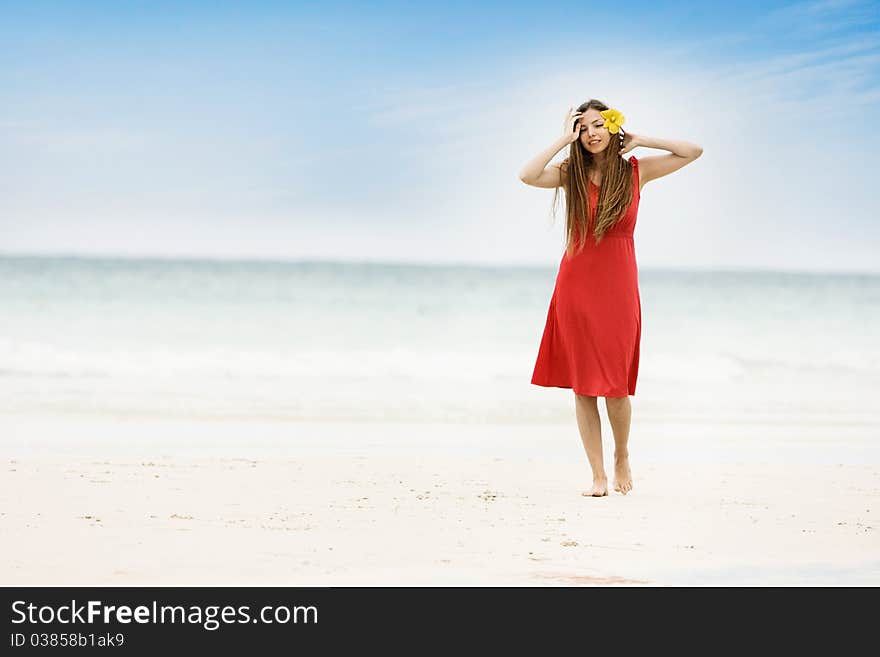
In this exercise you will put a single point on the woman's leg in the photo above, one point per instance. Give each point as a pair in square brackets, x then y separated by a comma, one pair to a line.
[590, 427]
[620, 414]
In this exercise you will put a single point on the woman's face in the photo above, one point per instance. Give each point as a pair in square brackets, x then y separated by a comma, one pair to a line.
[593, 136]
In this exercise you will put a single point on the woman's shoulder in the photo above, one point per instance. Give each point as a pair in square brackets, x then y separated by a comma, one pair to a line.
[634, 162]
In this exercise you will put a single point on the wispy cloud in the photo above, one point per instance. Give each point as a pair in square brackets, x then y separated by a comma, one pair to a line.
[370, 153]
[821, 17]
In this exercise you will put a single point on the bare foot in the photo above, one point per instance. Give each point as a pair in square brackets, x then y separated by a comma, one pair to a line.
[622, 477]
[599, 489]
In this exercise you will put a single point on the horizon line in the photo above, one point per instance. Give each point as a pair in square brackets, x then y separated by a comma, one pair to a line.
[242, 259]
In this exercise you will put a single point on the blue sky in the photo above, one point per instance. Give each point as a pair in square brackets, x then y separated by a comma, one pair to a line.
[394, 131]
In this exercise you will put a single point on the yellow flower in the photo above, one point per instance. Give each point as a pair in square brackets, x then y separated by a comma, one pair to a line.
[613, 120]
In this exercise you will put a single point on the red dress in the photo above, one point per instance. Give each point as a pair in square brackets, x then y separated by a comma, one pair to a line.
[594, 324]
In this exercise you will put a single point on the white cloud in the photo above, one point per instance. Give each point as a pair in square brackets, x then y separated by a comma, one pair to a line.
[784, 182]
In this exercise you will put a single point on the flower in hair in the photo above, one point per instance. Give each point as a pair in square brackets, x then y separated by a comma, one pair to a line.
[613, 120]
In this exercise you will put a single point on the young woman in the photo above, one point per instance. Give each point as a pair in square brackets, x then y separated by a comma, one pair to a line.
[591, 338]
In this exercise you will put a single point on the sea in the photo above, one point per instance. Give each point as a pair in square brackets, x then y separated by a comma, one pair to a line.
[315, 342]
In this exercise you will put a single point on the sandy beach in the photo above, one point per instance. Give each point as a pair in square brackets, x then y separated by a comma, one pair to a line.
[463, 514]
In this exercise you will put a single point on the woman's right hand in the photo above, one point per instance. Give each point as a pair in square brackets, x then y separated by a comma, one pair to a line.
[571, 128]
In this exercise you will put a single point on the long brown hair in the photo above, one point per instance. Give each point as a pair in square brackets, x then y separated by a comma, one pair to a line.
[615, 194]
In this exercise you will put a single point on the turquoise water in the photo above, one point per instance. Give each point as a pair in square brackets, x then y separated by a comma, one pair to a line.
[367, 342]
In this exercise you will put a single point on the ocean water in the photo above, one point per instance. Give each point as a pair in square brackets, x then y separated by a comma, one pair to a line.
[316, 342]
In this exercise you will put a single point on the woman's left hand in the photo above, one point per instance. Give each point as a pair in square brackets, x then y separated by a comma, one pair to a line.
[630, 141]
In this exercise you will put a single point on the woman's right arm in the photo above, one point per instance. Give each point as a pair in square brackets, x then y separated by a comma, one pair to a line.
[536, 172]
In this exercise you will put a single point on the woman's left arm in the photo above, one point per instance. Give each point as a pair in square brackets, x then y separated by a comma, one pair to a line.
[657, 166]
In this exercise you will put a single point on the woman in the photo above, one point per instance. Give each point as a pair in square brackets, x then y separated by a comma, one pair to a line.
[591, 338]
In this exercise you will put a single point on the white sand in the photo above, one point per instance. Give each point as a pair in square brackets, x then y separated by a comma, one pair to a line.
[382, 514]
